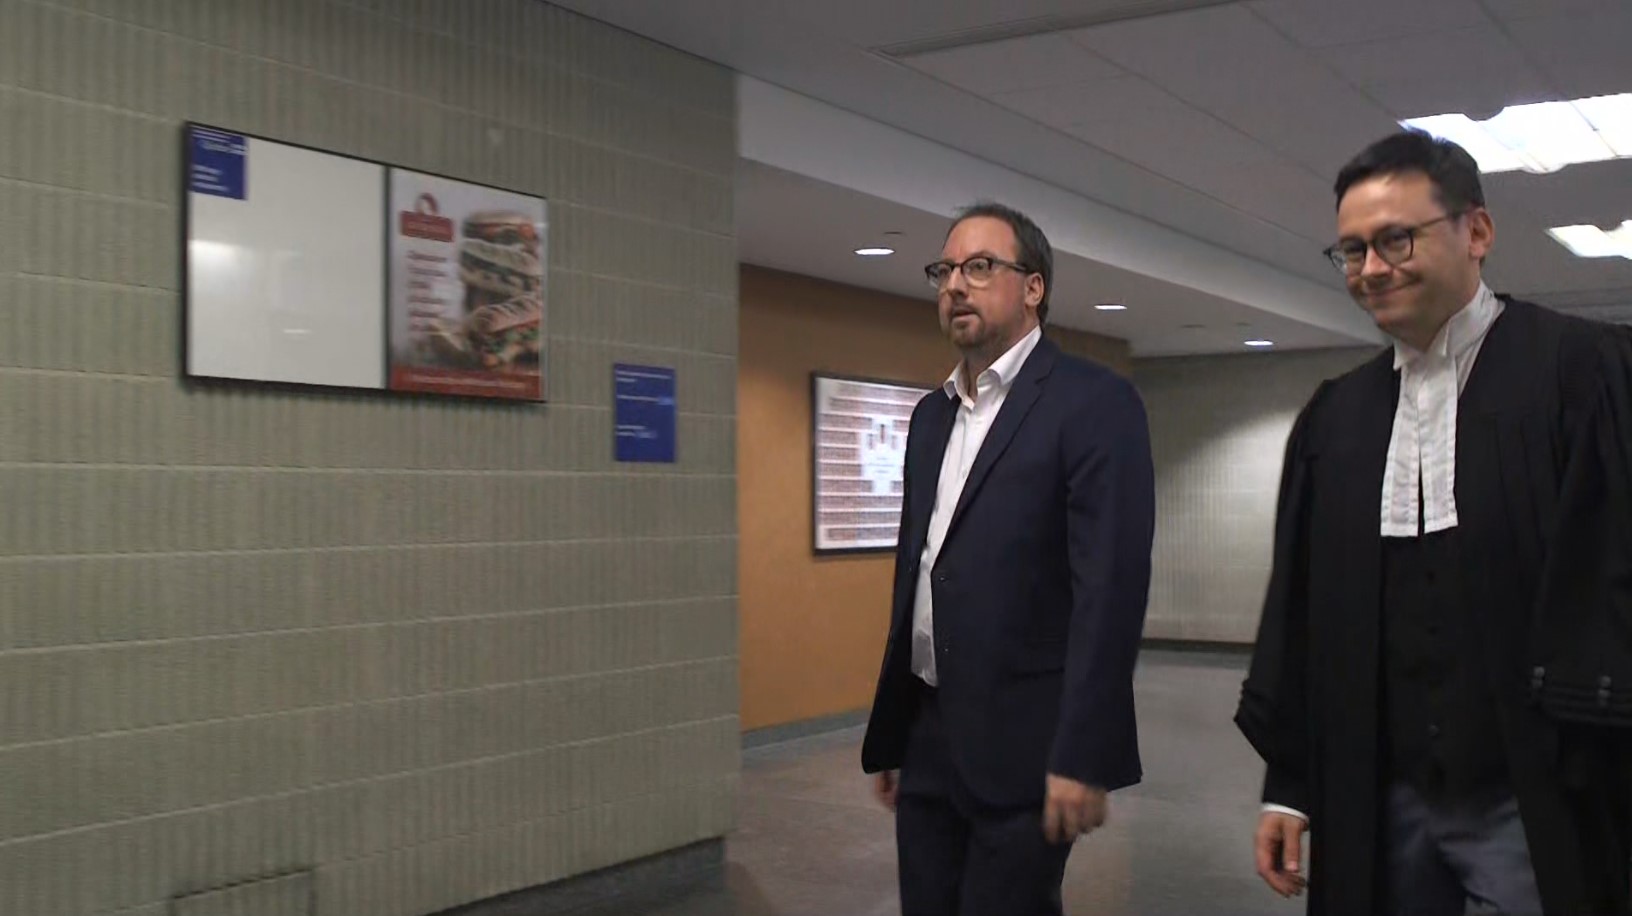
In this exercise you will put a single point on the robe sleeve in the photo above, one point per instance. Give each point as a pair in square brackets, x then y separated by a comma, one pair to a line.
[1581, 629]
[1273, 710]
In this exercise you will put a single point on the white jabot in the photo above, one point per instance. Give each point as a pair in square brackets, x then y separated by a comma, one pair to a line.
[1422, 451]
[976, 411]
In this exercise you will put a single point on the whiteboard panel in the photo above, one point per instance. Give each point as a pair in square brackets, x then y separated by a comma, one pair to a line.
[285, 264]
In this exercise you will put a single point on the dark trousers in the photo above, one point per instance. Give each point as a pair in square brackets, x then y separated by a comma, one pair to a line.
[957, 857]
[1450, 856]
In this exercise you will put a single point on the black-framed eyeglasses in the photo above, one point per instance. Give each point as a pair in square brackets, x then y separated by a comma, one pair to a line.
[1394, 245]
[977, 271]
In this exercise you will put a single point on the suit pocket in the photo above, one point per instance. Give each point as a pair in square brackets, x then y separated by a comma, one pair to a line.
[1039, 656]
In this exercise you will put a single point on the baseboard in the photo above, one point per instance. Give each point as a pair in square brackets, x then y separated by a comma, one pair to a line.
[1198, 645]
[804, 728]
[663, 876]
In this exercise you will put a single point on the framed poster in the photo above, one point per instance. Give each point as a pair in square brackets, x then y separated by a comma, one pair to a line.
[859, 447]
[467, 288]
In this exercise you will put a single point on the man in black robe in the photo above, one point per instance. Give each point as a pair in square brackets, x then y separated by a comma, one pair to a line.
[1443, 672]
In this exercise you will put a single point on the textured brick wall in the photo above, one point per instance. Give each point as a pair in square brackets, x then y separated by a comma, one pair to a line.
[434, 651]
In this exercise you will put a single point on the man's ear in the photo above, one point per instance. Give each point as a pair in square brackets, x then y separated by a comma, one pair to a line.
[1481, 233]
[1035, 289]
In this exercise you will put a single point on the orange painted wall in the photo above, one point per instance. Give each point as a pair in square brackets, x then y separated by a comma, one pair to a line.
[812, 630]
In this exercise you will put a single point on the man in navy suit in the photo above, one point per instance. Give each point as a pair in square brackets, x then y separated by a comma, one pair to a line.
[1004, 711]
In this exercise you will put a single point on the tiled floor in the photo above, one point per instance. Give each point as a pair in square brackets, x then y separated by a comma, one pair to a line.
[813, 843]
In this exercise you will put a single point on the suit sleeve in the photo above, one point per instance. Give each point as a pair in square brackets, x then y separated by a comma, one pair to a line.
[1110, 524]
[1273, 709]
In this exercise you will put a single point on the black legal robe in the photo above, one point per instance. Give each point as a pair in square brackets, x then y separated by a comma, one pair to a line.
[1544, 431]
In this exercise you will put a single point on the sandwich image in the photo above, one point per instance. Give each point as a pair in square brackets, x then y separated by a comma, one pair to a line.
[507, 335]
[500, 257]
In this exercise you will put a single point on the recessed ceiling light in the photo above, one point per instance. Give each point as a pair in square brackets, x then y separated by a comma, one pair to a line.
[1542, 137]
[1259, 343]
[1592, 242]
[875, 252]
[1111, 307]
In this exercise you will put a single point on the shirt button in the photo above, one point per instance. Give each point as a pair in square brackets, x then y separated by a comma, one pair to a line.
[1433, 731]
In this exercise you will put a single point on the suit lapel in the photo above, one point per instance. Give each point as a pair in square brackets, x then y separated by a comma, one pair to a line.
[1023, 395]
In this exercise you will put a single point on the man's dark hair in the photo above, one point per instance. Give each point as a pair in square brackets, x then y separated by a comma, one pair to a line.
[1453, 173]
[1036, 255]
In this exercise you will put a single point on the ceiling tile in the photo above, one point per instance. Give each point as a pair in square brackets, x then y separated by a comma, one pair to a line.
[1599, 193]
[1329, 23]
[1016, 64]
[1475, 71]
[1177, 141]
[1584, 55]
[1233, 65]
[1459, 54]
[1511, 10]
[1286, 195]
[1216, 160]
[1417, 98]
[870, 23]
[1107, 102]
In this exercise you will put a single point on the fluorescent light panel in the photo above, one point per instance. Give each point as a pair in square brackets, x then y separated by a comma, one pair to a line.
[1542, 137]
[1592, 242]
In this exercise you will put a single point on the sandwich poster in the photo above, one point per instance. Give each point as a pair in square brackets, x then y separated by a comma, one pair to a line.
[467, 280]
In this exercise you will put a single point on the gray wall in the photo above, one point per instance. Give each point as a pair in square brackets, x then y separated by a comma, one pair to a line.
[434, 650]
[1218, 432]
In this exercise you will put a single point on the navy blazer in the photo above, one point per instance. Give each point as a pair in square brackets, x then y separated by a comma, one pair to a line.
[1039, 589]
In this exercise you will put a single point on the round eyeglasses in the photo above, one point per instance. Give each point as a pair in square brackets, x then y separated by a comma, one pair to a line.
[977, 271]
[1395, 245]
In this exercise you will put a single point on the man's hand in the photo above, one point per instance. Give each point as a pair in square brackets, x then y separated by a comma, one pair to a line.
[1279, 849]
[885, 785]
[1071, 810]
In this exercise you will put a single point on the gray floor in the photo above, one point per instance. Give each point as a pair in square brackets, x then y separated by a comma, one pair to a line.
[811, 841]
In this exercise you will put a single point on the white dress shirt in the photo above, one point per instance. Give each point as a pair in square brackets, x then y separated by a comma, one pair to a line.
[976, 412]
[1422, 449]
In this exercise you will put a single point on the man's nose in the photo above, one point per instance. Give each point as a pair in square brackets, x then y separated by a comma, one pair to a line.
[1374, 265]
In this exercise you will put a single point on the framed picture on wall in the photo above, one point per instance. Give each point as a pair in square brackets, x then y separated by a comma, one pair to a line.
[858, 445]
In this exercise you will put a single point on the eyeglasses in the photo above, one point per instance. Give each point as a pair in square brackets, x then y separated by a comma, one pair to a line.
[1394, 245]
[977, 271]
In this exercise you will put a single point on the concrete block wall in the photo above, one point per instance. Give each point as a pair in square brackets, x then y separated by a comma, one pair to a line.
[1218, 428]
[412, 652]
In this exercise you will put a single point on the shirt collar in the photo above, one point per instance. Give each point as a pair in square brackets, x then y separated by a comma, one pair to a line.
[1004, 371]
[1459, 335]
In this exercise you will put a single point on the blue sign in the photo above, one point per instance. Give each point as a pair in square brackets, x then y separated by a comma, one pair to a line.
[217, 163]
[643, 413]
